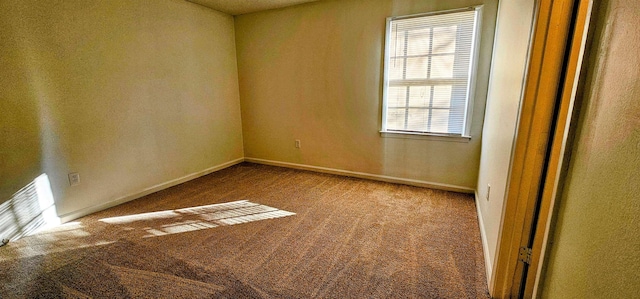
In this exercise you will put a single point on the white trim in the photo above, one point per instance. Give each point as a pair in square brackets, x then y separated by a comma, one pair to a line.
[427, 136]
[385, 72]
[472, 72]
[363, 175]
[488, 264]
[439, 12]
[92, 209]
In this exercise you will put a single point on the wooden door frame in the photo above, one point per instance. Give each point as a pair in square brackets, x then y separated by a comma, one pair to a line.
[573, 87]
[556, 54]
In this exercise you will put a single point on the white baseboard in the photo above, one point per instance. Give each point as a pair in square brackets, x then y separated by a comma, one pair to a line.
[488, 264]
[89, 210]
[363, 175]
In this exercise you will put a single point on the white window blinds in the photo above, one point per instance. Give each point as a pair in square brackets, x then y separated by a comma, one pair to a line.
[429, 64]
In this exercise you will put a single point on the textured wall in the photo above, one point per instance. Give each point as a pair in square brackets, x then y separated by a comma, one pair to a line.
[503, 104]
[129, 93]
[596, 249]
[313, 72]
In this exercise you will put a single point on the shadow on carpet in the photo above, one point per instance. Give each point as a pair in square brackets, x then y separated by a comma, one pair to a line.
[119, 270]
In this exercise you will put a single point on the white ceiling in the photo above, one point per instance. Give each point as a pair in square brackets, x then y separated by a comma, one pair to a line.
[238, 7]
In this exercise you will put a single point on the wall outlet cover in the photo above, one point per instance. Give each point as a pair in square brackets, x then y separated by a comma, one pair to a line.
[74, 179]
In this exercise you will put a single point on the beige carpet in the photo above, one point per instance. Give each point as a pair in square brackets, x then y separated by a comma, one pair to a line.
[253, 231]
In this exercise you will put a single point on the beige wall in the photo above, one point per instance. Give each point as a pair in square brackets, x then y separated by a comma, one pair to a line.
[129, 93]
[596, 249]
[503, 105]
[313, 72]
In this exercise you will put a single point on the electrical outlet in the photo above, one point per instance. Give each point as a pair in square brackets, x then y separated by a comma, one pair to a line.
[488, 191]
[297, 143]
[74, 179]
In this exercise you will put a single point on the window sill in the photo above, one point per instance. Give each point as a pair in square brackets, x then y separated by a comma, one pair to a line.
[427, 136]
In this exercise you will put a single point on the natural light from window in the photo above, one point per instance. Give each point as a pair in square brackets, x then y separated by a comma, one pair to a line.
[29, 210]
[428, 72]
[197, 218]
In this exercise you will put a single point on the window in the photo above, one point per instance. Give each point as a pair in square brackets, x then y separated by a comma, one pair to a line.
[429, 66]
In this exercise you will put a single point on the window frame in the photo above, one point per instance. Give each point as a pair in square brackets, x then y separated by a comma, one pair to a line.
[465, 136]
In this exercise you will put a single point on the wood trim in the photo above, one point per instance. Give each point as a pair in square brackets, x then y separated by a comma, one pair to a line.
[559, 143]
[544, 77]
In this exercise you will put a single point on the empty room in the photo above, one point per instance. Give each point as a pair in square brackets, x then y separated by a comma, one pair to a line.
[319, 149]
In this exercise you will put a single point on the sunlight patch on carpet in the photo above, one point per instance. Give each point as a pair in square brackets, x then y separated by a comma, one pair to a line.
[197, 218]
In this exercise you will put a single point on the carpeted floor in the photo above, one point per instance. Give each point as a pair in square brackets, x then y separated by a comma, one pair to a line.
[254, 231]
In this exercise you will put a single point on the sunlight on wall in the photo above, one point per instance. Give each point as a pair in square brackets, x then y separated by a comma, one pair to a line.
[29, 210]
[196, 218]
